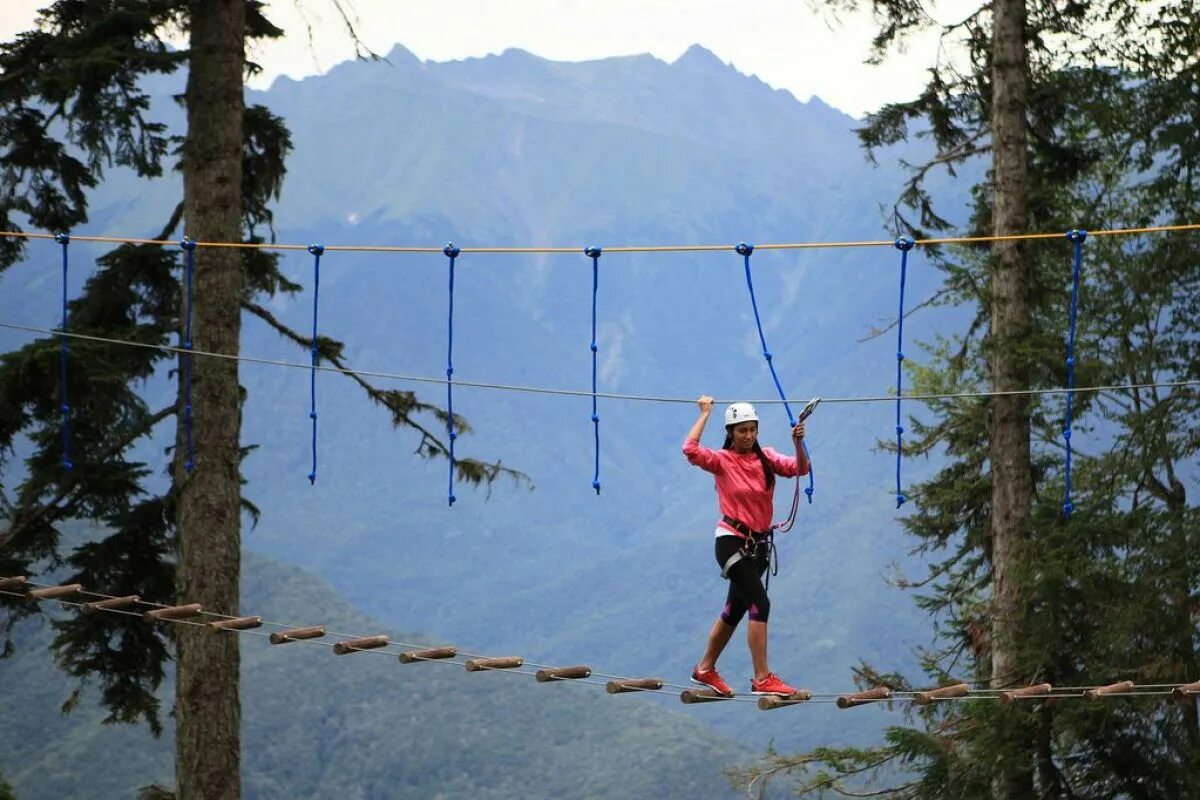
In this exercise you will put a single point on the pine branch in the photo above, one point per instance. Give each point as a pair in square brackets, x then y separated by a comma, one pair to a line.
[933, 299]
[402, 406]
[54, 508]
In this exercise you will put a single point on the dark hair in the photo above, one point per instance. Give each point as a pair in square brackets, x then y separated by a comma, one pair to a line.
[768, 473]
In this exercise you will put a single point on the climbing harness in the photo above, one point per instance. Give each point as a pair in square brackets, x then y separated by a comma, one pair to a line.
[753, 543]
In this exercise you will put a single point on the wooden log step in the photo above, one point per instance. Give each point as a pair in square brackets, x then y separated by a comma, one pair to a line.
[236, 624]
[111, 604]
[53, 592]
[174, 612]
[506, 662]
[770, 702]
[413, 656]
[562, 674]
[355, 645]
[1038, 690]
[1186, 692]
[297, 634]
[633, 685]
[690, 696]
[862, 698]
[954, 690]
[1120, 687]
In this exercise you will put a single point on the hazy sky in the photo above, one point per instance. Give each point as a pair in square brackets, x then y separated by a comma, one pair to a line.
[784, 42]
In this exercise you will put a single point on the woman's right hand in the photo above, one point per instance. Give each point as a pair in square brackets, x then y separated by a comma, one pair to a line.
[706, 403]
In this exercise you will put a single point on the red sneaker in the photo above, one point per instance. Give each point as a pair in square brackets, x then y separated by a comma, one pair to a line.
[712, 680]
[771, 685]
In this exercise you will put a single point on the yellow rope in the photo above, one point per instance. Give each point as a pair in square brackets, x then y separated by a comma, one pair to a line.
[682, 248]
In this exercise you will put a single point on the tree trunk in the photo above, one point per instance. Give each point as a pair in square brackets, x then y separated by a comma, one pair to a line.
[207, 706]
[1008, 434]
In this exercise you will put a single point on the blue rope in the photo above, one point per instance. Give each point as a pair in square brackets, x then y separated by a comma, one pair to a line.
[1077, 238]
[451, 252]
[189, 247]
[902, 244]
[64, 402]
[594, 254]
[745, 250]
[317, 250]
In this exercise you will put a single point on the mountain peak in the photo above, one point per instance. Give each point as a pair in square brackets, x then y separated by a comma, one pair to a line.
[699, 56]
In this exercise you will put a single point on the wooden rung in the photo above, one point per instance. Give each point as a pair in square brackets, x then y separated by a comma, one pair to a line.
[295, 634]
[52, 592]
[772, 701]
[111, 604]
[562, 674]
[1187, 691]
[15, 582]
[1038, 690]
[175, 612]
[236, 624]
[413, 656]
[354, 645]
[690, 696]
[506, 662]
[862, 698]
[1120, 687]
[954, 690]
[633, 685]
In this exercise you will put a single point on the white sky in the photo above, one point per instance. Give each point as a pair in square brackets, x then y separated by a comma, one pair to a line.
[784, 42]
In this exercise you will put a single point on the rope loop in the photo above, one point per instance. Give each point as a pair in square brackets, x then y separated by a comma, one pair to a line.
[317, 250]
[451, 252]
[904, 245]
[745, 250]
[593, 252]
[64, 406]
[189, 248]
[1077, 238]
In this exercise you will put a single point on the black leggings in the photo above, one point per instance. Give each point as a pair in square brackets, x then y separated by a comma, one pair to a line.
[746, 592]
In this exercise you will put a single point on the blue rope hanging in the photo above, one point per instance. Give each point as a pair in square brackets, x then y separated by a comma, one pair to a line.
[63, 401]
[451, 252]
[902, 244]
[1076, 237]
[317, 250]
[745, 250]
[594, 254]
[189, 247]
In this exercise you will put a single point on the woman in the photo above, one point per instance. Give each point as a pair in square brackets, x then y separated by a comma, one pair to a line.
[744, 473]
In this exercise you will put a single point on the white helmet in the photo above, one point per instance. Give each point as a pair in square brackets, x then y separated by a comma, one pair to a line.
[740, 412]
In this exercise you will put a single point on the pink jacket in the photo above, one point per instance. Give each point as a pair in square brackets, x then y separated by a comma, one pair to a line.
[741, 490]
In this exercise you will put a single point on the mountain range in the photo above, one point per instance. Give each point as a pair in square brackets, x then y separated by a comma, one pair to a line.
[513, 151]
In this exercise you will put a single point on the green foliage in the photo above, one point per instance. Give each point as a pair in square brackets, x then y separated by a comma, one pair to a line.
[318, 725]
[72, 103]
[1113, 592]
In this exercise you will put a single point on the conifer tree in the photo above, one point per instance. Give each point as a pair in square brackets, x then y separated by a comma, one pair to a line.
[1112, 591]
[72, 104]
